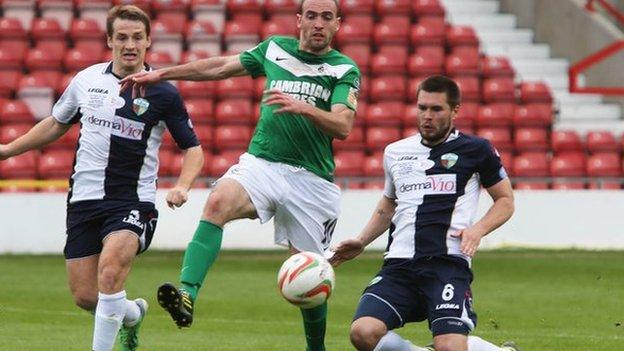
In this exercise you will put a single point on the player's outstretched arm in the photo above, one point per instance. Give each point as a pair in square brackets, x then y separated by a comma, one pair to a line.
[337, 123]
[378, 224]
[43, 133]
[212, 68]
[192, 163]
[500, 211]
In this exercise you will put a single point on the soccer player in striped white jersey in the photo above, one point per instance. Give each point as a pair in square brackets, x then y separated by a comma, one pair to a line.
[111, 216]
[432, 185]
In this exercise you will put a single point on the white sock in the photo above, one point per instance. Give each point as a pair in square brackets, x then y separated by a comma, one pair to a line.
[393, 342]
[475, 343]
[109, 313]
[133, 313]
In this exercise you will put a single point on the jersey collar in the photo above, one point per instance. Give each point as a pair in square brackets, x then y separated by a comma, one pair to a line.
[454, 134]
[109, 69]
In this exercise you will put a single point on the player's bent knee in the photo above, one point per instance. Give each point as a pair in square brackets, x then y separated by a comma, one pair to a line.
[365, 336]
[86, 301]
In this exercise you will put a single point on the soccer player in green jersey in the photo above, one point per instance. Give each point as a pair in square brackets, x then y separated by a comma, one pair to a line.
[287, 171]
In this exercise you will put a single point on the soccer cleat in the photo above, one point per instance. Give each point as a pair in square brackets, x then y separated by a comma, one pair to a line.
[129, 336]
[178, 303]
[510, 346]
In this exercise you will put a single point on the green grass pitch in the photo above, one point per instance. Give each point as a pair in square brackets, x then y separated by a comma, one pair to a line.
[544, 300]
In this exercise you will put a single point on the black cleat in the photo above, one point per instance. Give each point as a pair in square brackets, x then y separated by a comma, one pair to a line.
[178, 303]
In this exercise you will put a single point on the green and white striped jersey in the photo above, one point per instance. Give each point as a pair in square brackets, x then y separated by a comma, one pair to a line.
[320, 80]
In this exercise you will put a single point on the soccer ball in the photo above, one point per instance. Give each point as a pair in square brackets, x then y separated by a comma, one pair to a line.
[306, 280]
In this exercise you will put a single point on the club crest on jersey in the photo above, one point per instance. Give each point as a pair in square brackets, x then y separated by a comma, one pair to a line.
[139, 106]
[449, 160]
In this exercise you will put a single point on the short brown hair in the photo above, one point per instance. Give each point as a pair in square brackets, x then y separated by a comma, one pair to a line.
[338, 13]
[127, 12]
[442, 84]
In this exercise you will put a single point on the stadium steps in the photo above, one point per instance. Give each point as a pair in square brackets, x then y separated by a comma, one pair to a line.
[532, 62]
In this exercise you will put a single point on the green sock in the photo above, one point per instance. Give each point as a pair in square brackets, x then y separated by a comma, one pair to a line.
[200, 254]
[314, 320]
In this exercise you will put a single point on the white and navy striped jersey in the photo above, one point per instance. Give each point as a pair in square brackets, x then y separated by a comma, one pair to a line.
[436, 190]
[117, 152]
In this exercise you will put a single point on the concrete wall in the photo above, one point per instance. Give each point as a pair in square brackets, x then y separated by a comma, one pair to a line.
[573, 33]
[35, 223]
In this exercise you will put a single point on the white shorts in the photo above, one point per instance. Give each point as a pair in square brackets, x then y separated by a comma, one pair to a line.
[305, 206]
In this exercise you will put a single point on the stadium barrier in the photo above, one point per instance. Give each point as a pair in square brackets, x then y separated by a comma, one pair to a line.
[586, 219]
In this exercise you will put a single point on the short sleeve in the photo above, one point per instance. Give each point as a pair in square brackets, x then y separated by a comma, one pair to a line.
[389, 190]
[180, 125]
[490, 168]
[347, 89]
[253, 59]
[67, 109]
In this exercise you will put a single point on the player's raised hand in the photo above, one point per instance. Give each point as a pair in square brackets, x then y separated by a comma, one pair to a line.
[138, 82]
[288, 103]
[177, 197]
[4, 152]
[470, 240]
[346, 250]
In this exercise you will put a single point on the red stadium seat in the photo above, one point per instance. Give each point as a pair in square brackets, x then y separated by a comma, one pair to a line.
[566, 141]
[165, 37]
[373, 165]
[223, 161]
[231, 136]
[78, 59]
[167, 142]
[392, 30]
[10, 60]
[86, 29]
[535, 185]
[390, 60]
[204, 135]
[426, 64]
[410, 118]
[564, 184]
[601, 141]
[388, 88]
[13, 37]
[374, 185]
[495, 115]
[496, 66]
[356, 29]
[499, 89]
[355, 140]
[259, 87]
[462, 64]
[533, 115]
[531, 92]
[531, 139]
[278, 27]
[289, 7]
[256, 113]
[47, 29]
[165, 162]
[461, 35]
[506, 158]
[233, 111]
[16, 111]
[389, 113]
[159, 59]
[38, 93]
[193, 55]
[394, 7]
[9, 82]
[23, 166]
[412, 88]
[361, 113]
[469, 87]
[55, 164]
[360, 53]
[38, 58]
[569, 164]
[499, 137]
[12, 131]
[349, 163]
[349, 7]
[429, 8]
[240, 35]
[604, 164]
[467, 115]
[67, 141]
[531, 164]
[410, 131]
[428, 32]
[172, 11]
[197, 89]
[244, 6]
[202, 36]
[235, 87]
[378, 137]
[200, 110]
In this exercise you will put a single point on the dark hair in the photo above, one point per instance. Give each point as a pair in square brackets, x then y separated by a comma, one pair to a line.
[442, 84]
[338, 14]
[127, 12]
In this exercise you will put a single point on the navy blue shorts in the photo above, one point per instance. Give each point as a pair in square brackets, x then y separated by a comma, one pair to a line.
[434, 288]
[89, 222]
